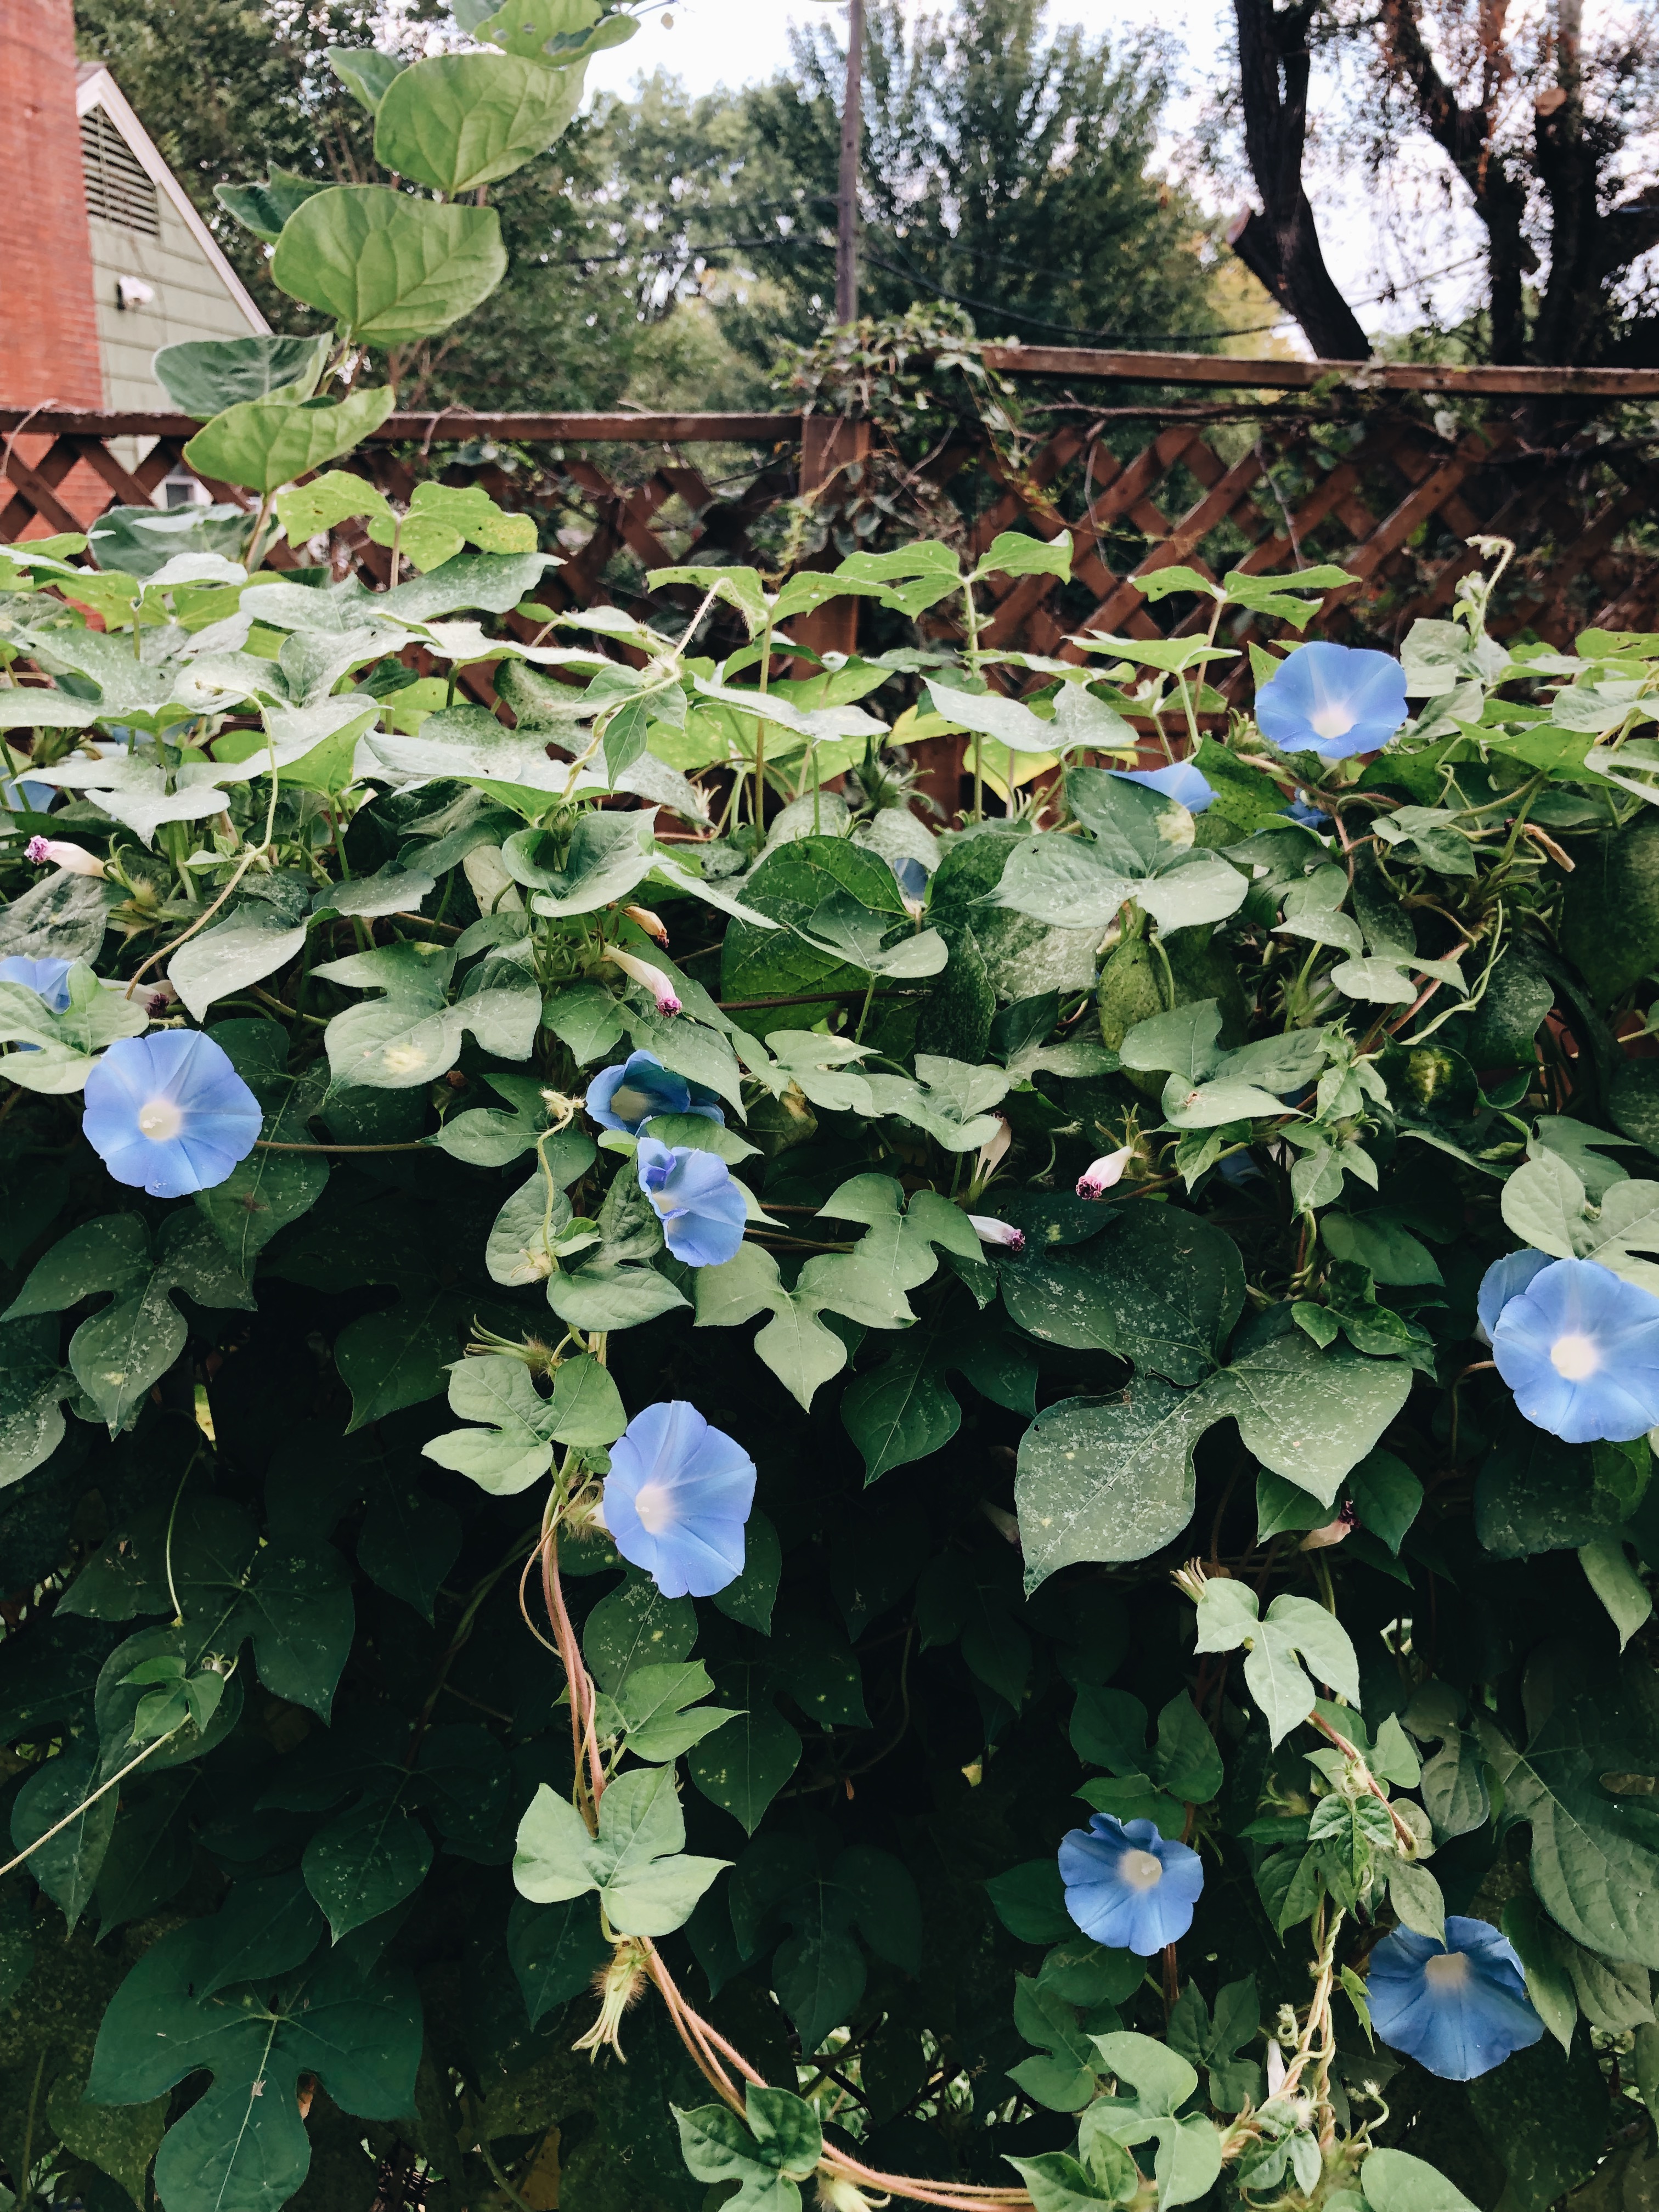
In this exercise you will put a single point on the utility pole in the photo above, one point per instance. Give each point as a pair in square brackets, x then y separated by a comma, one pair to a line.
[846, 224]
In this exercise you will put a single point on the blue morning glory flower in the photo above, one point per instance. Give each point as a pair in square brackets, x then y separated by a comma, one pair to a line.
[1579, 1347]
[626, 1097]
[1505, 1280]
[1332, 700]
[1459, 2011]
[1180, 782]
[912, 878]
[47, 979]
[169, 1113]
[1127, 1886]
[27, 795]
[677, 1499]
[701, 1210]
[1310, 817]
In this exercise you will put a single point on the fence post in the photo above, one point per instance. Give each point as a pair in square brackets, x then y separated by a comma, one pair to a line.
[829, 445]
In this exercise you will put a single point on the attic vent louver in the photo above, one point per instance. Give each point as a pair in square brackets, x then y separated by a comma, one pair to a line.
[117, 188]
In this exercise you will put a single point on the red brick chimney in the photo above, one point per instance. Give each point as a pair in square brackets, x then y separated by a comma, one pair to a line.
[48, 330]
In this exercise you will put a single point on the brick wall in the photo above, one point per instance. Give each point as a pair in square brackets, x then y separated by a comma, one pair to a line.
[48, 331]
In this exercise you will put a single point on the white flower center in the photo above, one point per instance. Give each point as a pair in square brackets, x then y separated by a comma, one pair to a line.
[654, 1503]
[1575, 1358]
[629, 1104]
[1334, 720]
[1142, 1869]
[160, 1119]
[1449, 1971]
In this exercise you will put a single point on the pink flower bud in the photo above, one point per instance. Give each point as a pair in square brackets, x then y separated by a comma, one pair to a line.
[652, 924]
[1318, 1540]
[641, 971]
[1099, 1176]
[73, 858]
[1001, 1233]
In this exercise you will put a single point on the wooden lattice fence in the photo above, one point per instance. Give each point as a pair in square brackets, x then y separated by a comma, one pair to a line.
[1149, 460]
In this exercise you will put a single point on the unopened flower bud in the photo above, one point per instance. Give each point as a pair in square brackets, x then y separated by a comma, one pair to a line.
[1317, 1539]
[1007, 1524]
[1100, 1175]
[641, 971]
[652, 924]
[992, 1149]
[1001, 1233]
[74, 858]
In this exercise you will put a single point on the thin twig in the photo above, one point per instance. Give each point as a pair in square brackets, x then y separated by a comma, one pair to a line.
[270, 1145]
[11, 1865]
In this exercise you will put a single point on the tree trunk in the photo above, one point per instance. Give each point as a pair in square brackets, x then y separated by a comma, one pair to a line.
[1589, 243]
[1279, 244]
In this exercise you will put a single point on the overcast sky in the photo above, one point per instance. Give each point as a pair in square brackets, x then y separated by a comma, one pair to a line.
[735, 42]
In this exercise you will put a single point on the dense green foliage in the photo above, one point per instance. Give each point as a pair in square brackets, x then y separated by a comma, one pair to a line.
[264, 1506]
[1084, 1227]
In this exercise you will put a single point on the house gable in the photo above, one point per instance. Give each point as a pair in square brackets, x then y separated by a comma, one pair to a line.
[159, 276]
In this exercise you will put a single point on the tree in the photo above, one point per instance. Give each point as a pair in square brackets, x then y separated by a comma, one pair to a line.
[1011, 175]
[1546, 172]
[1006, 171]
[610, 290]
[1540, 128]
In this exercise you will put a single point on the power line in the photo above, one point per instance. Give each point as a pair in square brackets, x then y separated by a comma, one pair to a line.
[689, 249]
[780, 243]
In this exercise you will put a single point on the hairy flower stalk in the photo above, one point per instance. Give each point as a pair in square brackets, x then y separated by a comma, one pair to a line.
[619, 1985]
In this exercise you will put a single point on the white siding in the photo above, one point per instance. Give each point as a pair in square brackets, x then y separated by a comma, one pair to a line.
[190, 302]
[161, 242]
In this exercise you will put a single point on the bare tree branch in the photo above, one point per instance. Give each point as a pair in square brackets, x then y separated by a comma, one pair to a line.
[1466, 136]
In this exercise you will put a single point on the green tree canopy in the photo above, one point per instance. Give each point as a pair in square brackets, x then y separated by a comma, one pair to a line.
[1010, 173]
[667, 245]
